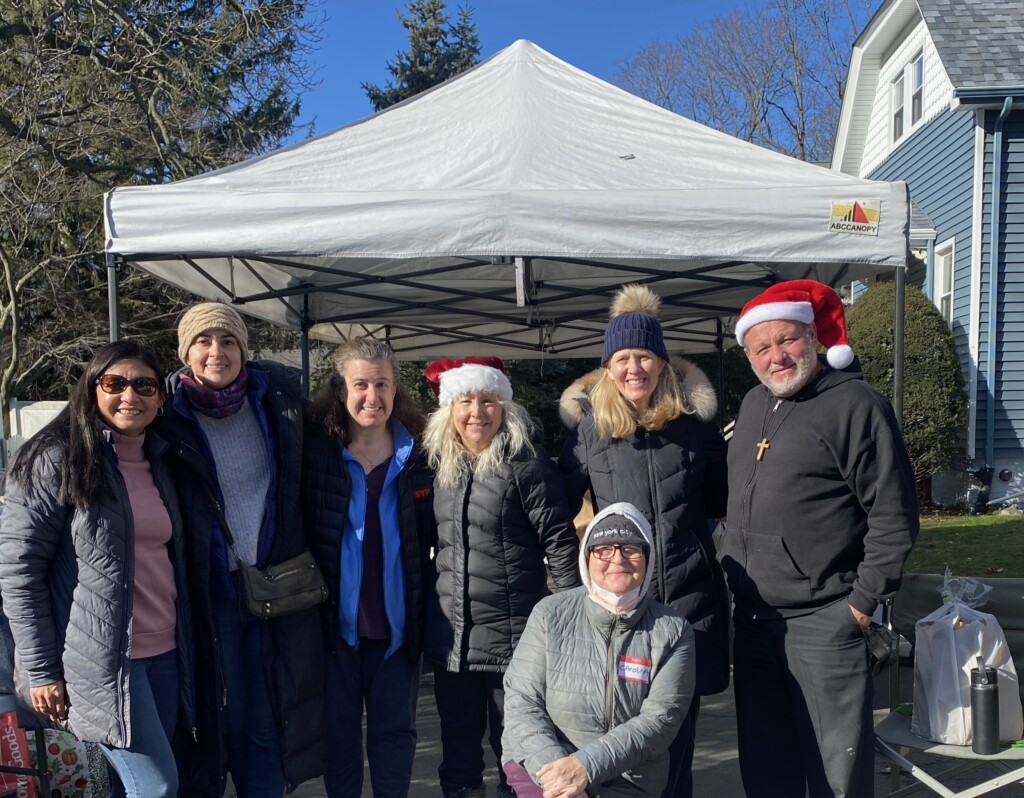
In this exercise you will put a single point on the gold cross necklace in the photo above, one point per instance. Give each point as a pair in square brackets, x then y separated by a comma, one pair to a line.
[769, 426]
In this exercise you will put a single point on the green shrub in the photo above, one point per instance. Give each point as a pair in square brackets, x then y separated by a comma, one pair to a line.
[934, 403]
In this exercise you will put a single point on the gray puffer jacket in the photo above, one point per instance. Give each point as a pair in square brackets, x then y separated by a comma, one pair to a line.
[610, 689]
[493, 535]
[66, 577]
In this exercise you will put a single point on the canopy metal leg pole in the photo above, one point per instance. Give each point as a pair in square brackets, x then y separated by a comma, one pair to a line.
[304, 336]
[112, 298]
[720, 346]
[897, 372]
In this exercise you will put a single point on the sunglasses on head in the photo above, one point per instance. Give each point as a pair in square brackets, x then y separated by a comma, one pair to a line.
[115, 383]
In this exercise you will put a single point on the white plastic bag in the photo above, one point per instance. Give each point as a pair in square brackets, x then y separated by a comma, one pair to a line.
[949, 642]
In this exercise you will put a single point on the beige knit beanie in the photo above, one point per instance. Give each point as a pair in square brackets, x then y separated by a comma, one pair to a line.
[211, 316]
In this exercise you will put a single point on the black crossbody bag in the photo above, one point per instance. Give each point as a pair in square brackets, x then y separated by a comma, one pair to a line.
[291, 586]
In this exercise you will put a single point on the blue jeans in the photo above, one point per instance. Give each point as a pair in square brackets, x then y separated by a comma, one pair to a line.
[253, 739]
[388, 688]
[146, 767]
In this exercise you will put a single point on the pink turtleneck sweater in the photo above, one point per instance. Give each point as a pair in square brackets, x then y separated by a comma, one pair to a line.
[154, 591]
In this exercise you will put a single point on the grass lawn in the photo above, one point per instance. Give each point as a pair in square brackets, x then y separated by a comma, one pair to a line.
[985, 545]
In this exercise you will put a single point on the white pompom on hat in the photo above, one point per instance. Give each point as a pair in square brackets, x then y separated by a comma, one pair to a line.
[807, 301]
[453, 379]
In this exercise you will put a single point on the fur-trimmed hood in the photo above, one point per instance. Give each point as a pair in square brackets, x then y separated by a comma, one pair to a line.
[697, 391]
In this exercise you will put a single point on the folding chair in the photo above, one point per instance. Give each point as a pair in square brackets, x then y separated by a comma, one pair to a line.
[894, 740]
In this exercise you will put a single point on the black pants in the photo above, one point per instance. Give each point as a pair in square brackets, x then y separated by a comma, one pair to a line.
[803, 706]
[469, 705]
[680, 756]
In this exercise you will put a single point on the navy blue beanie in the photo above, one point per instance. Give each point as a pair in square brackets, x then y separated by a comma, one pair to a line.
[633, 324]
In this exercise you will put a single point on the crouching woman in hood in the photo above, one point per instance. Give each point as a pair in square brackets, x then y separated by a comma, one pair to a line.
[602, 677]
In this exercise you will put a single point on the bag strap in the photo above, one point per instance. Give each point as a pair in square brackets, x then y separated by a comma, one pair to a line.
[215, 508]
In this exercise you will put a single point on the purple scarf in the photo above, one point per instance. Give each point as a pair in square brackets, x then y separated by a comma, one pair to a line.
[217, 404]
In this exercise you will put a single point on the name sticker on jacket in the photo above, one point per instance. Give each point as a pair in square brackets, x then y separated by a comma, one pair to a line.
[634, 669]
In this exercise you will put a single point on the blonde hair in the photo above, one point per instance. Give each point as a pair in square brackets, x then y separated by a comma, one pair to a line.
[617, 418]
[450, 461]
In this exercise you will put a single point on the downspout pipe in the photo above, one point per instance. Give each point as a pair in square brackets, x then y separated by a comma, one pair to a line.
[993, 284]
[929, 269]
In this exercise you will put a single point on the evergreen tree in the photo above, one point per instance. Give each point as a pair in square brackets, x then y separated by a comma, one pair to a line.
[934, 402]
[438, 50]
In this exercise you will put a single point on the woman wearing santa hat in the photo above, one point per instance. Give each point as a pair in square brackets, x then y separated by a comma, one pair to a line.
[642, 430]
[500, 509]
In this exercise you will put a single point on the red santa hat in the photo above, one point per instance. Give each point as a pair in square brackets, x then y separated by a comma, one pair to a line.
[802, 300]
[451, 379]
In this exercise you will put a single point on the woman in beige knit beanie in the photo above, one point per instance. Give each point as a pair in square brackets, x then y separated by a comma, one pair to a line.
[216, 323]
[238, 424]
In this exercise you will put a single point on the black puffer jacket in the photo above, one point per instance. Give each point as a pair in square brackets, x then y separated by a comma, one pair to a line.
[326, 490]
[67, 579]
[493, 535]
[293, 651]
[677, 478]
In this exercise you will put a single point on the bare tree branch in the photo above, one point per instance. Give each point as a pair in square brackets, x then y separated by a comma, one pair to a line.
[770, 74]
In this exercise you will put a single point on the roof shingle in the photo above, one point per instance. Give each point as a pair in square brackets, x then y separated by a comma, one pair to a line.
[980, 42]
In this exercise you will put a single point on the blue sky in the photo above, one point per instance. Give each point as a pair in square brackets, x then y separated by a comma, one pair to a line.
[360, 36]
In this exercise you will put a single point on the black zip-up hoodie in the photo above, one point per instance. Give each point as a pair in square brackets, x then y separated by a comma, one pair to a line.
[831, 508]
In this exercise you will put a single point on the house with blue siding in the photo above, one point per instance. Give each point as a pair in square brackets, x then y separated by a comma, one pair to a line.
[935, 97]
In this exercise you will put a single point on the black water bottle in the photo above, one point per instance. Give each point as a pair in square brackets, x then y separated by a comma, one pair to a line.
[984, 709]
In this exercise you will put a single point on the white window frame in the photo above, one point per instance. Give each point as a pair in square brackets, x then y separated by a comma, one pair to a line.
[944, 278]
[916, 85]
[906, 98]
[897, 107]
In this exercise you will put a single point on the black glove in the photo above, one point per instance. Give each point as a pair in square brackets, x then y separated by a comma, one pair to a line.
[881, 651]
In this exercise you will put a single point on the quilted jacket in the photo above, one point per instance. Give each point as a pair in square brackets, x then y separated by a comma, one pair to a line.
[66, 576]
[610, 689]
[493, 535]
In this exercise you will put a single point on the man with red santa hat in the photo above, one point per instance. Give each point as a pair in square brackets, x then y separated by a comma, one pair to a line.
[822, 514]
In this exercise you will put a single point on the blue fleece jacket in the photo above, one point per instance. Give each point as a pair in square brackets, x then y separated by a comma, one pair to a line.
[351, 574]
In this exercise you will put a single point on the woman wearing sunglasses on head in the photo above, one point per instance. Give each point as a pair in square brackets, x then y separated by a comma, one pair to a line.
[92, 571]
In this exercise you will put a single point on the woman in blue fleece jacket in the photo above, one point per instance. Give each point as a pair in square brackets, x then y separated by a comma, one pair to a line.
[368, 505]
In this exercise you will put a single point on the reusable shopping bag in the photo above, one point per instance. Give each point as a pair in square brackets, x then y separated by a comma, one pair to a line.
[949, 642]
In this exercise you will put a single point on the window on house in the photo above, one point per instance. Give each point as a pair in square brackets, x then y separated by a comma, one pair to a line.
[943, 290]
[917, 83]
[897, 108]
[908, 83]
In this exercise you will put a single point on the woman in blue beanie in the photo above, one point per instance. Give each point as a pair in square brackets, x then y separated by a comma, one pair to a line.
[642, 430]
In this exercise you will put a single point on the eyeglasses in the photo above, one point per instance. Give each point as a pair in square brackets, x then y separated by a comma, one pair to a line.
[115, 383]
[631, 551]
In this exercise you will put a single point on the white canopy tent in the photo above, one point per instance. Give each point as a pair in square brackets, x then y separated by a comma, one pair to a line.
[498, 212]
